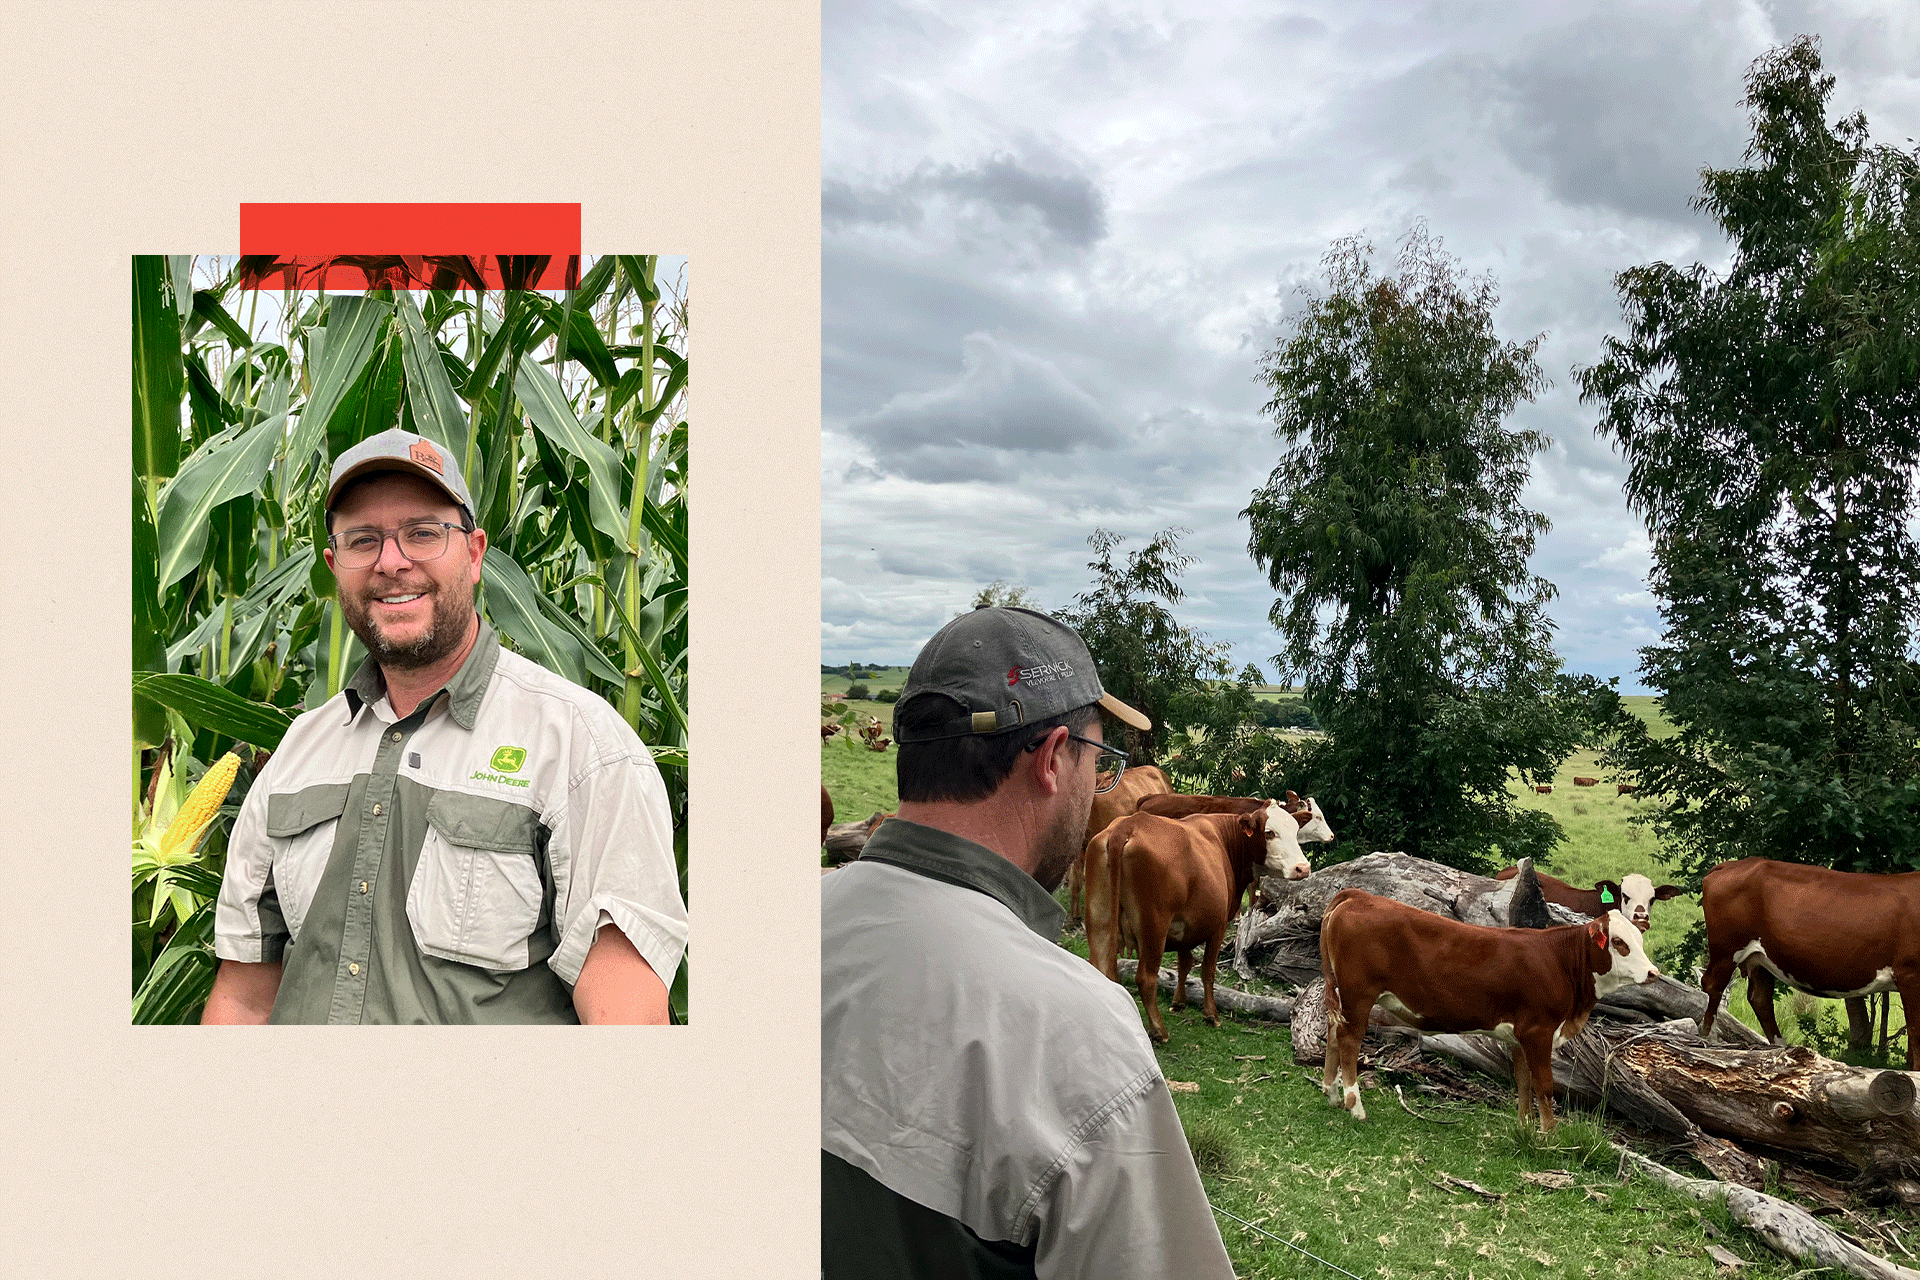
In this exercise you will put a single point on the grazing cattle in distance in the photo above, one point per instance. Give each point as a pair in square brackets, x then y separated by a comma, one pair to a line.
[1135, 785]
[1625, 788]
[828, 730]
[1586, 782]
[1176, 882]
[1633, 895]
[1837, 934]
[826, 812]
[1529, 988]
[1543, 788]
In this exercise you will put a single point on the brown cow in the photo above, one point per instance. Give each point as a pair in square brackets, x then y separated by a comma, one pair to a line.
[1313, 823]
[1530, 988]
[1837, 934]
[1135, 784]
[1177, 882]
[1633, 895]
[1625, 788]
[1586, 782]
[1543, 788]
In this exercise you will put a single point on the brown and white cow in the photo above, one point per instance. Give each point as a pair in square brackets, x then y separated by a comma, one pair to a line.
[1632, 896]
[1137, 783]
[1176, 882]
[1837, 934]
[1529, 988]
[1173, 804]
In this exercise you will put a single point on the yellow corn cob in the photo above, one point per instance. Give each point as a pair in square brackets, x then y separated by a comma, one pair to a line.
[183, 833]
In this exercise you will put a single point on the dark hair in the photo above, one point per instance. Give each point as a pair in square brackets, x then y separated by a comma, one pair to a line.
[966, 768]
[366, 477]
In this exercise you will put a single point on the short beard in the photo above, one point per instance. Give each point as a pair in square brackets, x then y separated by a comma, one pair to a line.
[1062, 845]
[443, 635]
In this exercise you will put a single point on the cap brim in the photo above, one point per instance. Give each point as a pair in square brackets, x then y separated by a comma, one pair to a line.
[1125, 713]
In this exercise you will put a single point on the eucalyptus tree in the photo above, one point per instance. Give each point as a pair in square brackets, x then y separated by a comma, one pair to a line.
[1769, 416]
[567, 413]
[1393, 530]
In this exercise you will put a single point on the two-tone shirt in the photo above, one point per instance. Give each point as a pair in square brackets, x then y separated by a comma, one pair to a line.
[454, 864]
[989, 1103]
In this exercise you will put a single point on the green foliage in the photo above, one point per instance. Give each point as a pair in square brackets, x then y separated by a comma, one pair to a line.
[1770, 421]
[1001, 594]
[1144, 656]
[887, 695]
[1393, 530]
[859, 693]
[576, 454]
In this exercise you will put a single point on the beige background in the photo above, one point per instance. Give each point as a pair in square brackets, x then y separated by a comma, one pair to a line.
[680, 127]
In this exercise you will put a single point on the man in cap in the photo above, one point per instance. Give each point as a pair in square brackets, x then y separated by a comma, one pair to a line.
[989, 1103]
[459, 835]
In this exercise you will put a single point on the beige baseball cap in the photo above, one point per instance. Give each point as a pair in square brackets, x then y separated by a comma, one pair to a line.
[398, 450]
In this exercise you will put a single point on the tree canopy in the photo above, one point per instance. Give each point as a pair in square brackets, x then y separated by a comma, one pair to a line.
[1769, 416]
[1394, 532]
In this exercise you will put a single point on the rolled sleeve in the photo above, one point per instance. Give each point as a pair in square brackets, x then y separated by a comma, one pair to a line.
[611, 852]
[1128, 1202]
[247, 924]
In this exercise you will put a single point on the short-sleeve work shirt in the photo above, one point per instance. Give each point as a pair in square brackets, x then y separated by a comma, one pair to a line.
[455, 864]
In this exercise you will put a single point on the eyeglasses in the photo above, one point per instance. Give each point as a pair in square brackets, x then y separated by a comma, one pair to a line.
[418, 540]
[1109, 758]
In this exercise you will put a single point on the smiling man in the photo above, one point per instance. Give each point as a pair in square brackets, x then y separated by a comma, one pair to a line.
[459, 835]
[989, 1104]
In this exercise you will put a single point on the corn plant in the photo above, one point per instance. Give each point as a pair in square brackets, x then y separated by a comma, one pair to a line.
[566, 412]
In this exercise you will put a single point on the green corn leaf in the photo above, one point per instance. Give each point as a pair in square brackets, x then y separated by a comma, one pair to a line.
[353, 323]
[158, 370]
[436, 412]
[584, 342]
[224, 472]
[553, 417]
[513, 606]
[666, 534]
[208, 706]
[208, 309]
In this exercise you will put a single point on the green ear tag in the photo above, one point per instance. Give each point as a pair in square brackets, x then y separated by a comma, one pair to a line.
[1606, 895]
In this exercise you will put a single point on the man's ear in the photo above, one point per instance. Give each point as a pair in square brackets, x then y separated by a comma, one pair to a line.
[1049, 762]
[477, 550]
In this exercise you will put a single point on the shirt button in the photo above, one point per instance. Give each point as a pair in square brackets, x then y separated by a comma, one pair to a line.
[376, 811]
[363, 886]
[354, 969]
[396, 735]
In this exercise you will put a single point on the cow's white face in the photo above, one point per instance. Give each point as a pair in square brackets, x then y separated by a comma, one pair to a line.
[1315, 828]
[1284, 858]
[1631, 964]
[1637, 896]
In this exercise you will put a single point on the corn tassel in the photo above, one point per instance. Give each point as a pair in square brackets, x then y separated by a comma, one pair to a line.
[184, 832]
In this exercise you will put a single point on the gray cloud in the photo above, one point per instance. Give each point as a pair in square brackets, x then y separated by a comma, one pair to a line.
[1068, 206]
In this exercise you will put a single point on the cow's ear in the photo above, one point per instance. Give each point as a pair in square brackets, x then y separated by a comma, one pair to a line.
[1255, 823]
[1666, 891]
[1609, 893]
[1597, 930]
[1293, 801]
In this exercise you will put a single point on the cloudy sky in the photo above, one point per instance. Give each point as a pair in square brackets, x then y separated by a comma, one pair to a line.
[1056, 238]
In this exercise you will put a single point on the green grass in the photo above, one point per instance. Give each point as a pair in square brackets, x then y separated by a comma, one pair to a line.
[1362, 1195]
[860, 781]
[878, 679]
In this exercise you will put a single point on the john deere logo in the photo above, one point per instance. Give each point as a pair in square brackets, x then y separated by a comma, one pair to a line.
[508, 759]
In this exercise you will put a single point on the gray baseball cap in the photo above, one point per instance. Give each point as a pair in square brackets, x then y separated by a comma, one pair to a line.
[397, 450]
[1008, 667]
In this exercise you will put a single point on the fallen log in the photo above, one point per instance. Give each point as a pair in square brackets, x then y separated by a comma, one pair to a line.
[1272, 1008]
[845, 840]
[1787, 1229]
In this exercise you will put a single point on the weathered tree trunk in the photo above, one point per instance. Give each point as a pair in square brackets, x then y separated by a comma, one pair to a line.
[1274, 1008]
[845, 840]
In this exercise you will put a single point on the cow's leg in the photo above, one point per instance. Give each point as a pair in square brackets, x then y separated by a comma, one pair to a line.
[1208, 962]
[1152, 938]
[1354, 1030]
[1760, 998]
[1522, 1079]
[1718, 973]
[1541, 1062]
[1330, 1056]
[1076, 883]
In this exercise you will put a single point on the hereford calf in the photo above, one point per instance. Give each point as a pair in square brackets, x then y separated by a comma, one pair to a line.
[1313, 823]
[1176, 882]
[1632, 896]
[1837, 934]
[1530, 988]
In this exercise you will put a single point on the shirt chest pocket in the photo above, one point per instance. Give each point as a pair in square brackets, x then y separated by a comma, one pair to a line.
[476, 893]
[301, 825]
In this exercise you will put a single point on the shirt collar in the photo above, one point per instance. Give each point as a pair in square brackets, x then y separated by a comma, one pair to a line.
[464, 691]
[941, 855]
